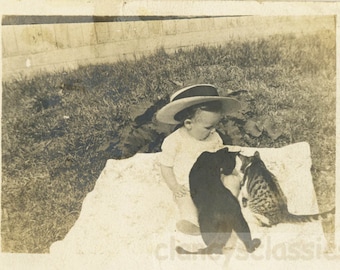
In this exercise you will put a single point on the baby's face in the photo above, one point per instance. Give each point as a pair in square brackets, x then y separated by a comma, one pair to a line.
[203, 124]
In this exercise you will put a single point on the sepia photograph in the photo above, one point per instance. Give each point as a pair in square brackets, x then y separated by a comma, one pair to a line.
[165, 141]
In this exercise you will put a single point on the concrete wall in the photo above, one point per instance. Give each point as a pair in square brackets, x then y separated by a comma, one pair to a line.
[33, 48]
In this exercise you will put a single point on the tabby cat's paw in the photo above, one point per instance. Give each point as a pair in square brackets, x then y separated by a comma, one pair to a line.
[244, 202]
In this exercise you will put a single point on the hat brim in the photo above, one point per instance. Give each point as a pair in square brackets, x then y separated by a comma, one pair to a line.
[167, 113]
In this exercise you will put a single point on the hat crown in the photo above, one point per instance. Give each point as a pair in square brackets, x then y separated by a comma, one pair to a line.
[195, 91]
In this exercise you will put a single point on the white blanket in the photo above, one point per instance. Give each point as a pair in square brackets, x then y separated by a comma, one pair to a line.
[129, 218]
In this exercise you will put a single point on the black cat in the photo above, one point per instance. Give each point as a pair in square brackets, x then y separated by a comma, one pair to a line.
[219, 212]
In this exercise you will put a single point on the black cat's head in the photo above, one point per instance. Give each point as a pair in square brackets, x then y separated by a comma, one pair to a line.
[226, 160]
[212, 163]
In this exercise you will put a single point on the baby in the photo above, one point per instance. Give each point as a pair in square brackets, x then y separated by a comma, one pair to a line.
[197, 110]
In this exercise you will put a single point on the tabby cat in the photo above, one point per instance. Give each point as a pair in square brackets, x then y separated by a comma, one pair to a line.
[264, 196]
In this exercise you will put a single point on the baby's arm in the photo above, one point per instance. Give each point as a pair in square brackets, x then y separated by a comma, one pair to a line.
[170, 179]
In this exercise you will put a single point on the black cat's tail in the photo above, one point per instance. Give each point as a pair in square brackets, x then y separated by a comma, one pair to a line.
[207, 250]
[218, 249]
[308, 218]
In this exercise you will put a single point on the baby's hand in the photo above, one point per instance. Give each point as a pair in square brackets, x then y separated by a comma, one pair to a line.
[180, 191]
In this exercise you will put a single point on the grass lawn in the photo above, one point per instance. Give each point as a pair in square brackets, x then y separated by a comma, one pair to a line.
[59, 129]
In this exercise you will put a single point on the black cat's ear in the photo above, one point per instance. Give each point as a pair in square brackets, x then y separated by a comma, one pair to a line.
[205, 155]
[236, 153]
[222, 152]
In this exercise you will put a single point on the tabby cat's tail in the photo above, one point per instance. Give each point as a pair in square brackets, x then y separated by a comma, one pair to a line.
[308, 218]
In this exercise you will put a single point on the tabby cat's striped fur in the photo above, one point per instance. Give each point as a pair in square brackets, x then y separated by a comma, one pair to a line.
[264, 196]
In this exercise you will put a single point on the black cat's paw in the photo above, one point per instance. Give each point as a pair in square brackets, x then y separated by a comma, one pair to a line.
[181, 250]
[244, 202]
[254, 245]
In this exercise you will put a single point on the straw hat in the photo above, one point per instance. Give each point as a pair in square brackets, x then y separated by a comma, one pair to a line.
[193, 95]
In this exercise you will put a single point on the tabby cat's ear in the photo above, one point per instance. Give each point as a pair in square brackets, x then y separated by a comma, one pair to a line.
[242, 157]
